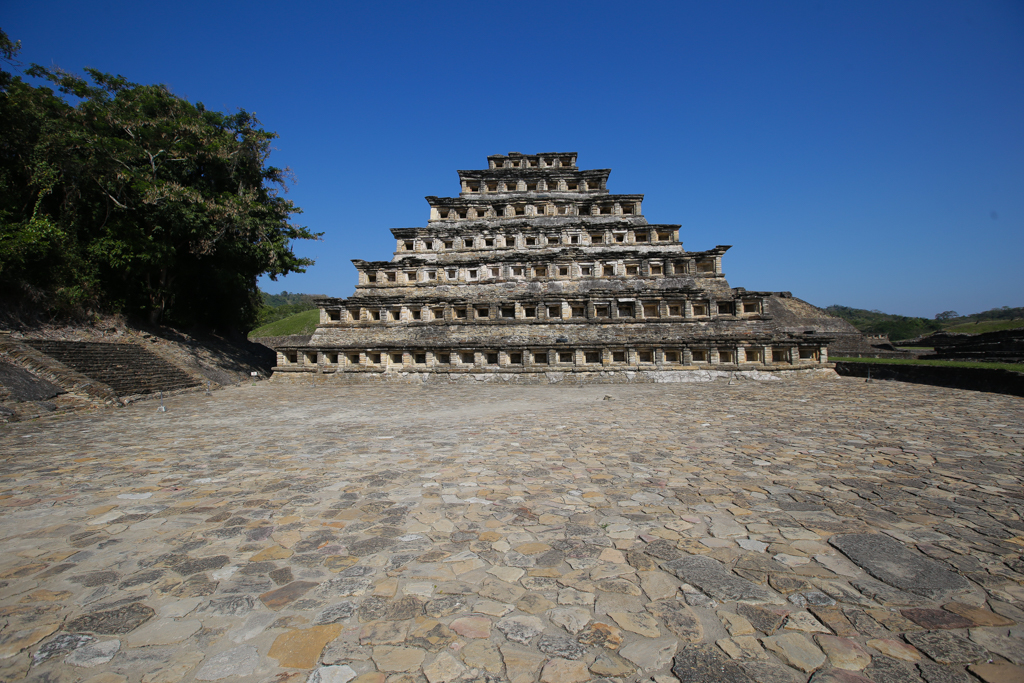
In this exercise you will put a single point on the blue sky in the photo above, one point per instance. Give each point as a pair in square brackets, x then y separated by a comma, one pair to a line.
[863, 153]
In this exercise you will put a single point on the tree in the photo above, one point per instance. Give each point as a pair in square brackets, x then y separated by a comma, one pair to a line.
[136, 200]
[947, 315]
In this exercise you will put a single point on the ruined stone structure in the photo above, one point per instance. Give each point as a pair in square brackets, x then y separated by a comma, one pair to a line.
[536, 273]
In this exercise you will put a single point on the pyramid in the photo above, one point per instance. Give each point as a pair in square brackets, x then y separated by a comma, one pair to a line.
[536, 273]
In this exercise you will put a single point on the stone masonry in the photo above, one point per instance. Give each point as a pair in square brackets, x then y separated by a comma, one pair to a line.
[534, 272]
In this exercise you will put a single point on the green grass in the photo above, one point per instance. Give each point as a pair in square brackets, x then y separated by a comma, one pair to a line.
[1013, 367]
[986, 326]
[300, 323]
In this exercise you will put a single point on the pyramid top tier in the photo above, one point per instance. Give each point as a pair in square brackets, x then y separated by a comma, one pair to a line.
[546, 185]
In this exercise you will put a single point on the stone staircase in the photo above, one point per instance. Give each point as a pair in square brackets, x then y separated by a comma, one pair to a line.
[128, 369]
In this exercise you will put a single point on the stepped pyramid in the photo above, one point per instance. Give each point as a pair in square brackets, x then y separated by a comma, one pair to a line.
[537, 273]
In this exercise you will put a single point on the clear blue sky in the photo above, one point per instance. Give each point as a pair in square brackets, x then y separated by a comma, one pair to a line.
[863, 153]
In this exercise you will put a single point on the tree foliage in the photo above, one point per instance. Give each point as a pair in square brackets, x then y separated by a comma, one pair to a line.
[124, 197]
[875, 322]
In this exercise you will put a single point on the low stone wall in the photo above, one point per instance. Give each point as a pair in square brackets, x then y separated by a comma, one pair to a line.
[552, 377]
[975, 379]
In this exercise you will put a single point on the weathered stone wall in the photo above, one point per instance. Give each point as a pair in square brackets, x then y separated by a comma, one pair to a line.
[976, 379]
[1005, 346]
[557, 377]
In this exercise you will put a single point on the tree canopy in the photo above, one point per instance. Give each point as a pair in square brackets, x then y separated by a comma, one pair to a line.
[123, 197]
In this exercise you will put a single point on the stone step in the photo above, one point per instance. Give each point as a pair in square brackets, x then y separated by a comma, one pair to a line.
[128, 369]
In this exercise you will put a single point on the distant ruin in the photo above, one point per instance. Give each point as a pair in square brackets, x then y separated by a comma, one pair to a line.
[536, 273]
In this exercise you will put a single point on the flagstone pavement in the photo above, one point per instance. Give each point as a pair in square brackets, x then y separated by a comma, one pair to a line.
[830, 530]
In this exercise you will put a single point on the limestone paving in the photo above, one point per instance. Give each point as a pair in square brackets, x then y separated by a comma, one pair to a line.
[825, 530]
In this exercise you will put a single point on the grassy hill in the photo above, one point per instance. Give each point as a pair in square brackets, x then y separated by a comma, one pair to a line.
[905, 327]
[304, 322]
[284, 305]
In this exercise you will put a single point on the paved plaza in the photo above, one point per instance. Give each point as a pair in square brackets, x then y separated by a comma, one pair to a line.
[830, 529]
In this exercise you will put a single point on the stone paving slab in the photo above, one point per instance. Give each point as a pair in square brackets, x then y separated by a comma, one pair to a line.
[767, 531]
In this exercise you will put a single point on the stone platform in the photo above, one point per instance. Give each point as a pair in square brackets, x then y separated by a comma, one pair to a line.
[829, 530]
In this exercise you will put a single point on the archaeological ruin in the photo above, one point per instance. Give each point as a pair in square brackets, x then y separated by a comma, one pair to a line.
[535, 273]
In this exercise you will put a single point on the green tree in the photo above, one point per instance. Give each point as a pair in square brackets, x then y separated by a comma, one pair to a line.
[947, 315]
[134, 199]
